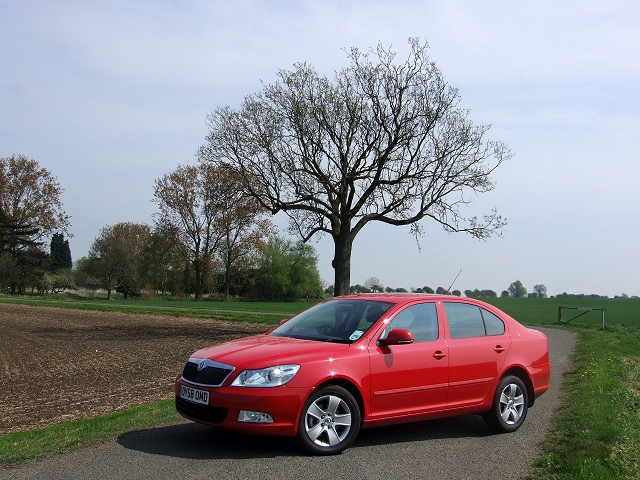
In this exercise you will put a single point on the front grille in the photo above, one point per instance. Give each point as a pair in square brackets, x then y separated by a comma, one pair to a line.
[211, 376]
[204, 413]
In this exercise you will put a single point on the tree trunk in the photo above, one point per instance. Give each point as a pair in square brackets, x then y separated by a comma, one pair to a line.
[227, 280]
[198, 272]
[342, 263]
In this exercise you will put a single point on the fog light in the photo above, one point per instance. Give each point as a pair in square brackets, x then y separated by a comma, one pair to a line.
[254, 417]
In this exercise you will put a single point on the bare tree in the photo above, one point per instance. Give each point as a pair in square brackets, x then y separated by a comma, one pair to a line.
[374, 284]
[241, 223]
[379, 142]
[186, 203]
[213, 218]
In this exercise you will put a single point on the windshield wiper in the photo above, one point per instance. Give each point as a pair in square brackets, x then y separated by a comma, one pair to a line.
[317, 339]
[332, 339]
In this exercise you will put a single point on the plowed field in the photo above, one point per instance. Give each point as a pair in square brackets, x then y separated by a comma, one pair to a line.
[62, 364]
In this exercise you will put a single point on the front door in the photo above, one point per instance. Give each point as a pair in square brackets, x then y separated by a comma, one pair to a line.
[410, 378]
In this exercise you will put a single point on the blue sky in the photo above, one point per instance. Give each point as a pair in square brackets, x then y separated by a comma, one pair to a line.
[108, 96]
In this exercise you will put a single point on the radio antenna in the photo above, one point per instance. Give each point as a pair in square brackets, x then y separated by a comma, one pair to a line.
[454, 281]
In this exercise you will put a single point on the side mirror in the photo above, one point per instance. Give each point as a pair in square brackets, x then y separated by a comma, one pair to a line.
[284, 320]
[397, 336]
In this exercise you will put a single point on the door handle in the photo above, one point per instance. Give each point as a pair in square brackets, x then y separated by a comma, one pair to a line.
[499, 349]
[438, 355]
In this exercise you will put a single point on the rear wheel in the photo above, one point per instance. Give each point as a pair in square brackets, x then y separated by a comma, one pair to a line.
[510, 405]
[329, 422]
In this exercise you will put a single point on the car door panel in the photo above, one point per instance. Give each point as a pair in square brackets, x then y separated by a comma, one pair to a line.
[410, 378]
[474, 365]
[475, 358]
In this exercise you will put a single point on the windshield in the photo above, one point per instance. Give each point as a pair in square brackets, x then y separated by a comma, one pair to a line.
[340, 320]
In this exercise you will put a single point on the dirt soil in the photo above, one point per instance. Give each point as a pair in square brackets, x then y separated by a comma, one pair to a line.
[61, 364]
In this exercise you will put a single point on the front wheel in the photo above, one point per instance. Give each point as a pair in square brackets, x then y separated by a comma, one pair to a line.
[510, 405]
[329, 422]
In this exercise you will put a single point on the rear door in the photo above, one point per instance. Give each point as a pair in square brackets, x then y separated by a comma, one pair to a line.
[478, 346]
[410, 378]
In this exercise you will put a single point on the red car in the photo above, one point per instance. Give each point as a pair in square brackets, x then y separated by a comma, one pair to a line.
[366, 360]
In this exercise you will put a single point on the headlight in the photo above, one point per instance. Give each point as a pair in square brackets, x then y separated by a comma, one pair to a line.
[266, 377]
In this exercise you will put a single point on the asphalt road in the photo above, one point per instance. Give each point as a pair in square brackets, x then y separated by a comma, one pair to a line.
[455, 448]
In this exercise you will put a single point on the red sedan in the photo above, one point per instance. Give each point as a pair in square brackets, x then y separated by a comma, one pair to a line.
[366, 360]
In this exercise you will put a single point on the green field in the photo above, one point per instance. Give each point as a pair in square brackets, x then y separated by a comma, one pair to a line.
[529, 311]
[260, 312]
[596, 433]
[544, 311]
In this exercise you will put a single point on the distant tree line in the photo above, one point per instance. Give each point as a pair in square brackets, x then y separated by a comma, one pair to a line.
[517, 290]
[208, 238]
[373, 285]
[137, 260]
[591, 296]
[480, 293]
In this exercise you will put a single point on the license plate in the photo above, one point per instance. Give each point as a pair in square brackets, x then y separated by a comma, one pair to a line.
[194, 395]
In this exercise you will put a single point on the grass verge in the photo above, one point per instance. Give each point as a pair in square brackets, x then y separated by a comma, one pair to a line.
[22, 447]
[596, 433]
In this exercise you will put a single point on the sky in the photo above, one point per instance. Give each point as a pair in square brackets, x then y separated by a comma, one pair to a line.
[110, 95]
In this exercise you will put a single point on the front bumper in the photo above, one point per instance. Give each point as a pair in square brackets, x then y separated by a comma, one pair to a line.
[283, 403]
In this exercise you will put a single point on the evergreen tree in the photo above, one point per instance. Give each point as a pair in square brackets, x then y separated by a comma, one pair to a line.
[15, 236]
[60, 252]
[21, 260]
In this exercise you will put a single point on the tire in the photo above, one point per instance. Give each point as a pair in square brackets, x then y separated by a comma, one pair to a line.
[510, 405]
[329, 421]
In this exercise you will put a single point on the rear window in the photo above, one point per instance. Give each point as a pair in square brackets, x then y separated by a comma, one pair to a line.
[493, 324]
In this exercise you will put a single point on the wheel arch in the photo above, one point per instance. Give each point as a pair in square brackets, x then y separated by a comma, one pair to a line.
[523, 375]
[351, 388]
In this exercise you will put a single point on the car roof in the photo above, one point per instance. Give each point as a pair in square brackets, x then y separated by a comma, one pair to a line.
[400, 297]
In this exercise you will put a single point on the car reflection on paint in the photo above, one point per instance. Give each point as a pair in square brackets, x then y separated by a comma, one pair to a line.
[362, 361]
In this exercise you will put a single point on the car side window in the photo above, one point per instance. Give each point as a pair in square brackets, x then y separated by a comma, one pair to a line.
[465, 321]
[468, 321]
[421, 320]
[492, 323]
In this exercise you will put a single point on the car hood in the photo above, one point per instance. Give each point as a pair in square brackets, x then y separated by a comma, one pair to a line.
[262, 351]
